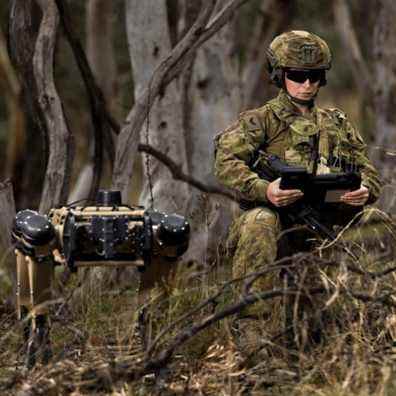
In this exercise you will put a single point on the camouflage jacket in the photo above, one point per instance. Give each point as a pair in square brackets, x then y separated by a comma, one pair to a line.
[278, 128]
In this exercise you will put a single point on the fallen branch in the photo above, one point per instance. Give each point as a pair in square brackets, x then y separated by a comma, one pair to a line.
[187, 333]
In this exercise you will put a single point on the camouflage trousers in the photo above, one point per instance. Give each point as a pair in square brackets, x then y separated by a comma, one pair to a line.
[252, 243]
[252, 246]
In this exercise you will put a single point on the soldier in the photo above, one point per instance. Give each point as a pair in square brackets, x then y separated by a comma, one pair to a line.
[292, 127]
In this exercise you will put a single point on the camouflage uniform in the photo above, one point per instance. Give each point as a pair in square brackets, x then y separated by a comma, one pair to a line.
[279, 128]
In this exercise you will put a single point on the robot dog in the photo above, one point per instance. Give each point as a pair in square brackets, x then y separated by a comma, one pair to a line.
[107, 233]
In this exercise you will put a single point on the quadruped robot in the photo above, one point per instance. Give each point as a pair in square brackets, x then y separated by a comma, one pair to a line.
[107, 233]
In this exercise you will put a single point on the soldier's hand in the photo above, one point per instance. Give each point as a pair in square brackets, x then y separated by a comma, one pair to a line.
[356, 198]
[280, 197]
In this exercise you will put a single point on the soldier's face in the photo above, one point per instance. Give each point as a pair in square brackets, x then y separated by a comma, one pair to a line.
[305, 90]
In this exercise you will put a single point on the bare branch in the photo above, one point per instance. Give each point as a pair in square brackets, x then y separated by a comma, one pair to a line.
[178, 174]
[139, 365]
[283, 263]
[233, 309]
[59, 161]
[249, 299]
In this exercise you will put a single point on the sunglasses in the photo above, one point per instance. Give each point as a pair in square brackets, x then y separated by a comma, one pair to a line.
[300, 76]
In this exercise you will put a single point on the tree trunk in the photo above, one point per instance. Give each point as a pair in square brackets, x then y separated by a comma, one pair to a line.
[384, 66]
[169, 68]
[7, 214]
[33, 54]
[100, 50]
[24, 20]
[149, 42]
[16, 119]
[360, 70]
[214, 104]
[59, 161]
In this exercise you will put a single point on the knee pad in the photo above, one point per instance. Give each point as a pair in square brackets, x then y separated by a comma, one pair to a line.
[261, 217]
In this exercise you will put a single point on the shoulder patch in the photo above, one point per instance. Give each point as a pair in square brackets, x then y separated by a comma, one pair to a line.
[253, 119]
[250, 119]
[229, 129]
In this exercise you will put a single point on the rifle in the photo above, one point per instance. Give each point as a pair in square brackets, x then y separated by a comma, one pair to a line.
[321, 192]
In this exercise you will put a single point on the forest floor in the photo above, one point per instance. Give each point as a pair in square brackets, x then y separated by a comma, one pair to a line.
[99, 349]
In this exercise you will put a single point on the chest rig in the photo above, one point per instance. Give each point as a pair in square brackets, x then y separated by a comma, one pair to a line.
[306, 145]
[321, 141]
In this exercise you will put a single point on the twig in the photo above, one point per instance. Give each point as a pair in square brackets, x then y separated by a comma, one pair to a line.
[276, 266]
[178, 174]
[250, 299]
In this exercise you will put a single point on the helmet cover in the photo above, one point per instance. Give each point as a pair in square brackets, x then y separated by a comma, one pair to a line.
[298, 49]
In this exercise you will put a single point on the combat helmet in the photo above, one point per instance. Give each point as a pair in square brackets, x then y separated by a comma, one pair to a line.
[297, 49]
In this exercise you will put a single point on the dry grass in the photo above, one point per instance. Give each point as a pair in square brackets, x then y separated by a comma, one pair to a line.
[98, 351]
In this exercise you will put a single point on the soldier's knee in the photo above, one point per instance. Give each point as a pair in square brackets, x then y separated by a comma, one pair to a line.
[261, 218]
[254, 234]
